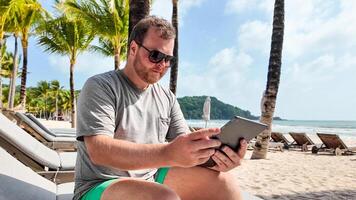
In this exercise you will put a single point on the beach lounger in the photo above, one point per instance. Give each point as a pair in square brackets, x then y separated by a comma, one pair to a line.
[279, 137]
[56, 132]
[331, 142]
[49, 139]
[20, 182]
[302, 140]
[51, 164]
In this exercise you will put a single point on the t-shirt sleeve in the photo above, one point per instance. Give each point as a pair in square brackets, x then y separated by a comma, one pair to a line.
[96, 109]
[178, 124]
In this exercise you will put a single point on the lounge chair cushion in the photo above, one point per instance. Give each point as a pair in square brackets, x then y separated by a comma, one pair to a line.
[20, 182]
[48, 136]
[65, 191]
[33, 148]
[67, 160]
[54, 132]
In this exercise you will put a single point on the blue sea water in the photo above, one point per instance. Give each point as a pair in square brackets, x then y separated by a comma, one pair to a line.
[343, 128]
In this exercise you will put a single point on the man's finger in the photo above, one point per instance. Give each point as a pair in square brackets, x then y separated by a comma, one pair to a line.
[243, 149]
[205, 144]
[203, 133]
[231, 154]
[206, 153]
[219, 162]
[223, 158]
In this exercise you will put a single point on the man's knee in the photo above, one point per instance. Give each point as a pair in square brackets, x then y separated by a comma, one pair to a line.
[139, 190]
[166, 194]
[226, 182]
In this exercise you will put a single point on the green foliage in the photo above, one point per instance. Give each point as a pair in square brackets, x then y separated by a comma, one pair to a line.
[42, 98]
[192, 108]
[109, 19]
[65, 36]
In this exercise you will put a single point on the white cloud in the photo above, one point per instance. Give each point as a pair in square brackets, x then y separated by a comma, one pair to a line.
[314, 31]
[255, 36]
[318, 54]
[186, 5]
[226, 77]
[318, 60]
[319, 89]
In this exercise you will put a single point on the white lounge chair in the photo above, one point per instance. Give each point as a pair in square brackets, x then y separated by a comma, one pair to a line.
[20, 182]
[56, 132]
[34, 154]
[58, 142]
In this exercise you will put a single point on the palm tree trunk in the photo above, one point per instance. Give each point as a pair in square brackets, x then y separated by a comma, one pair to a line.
[72, 96]
[24, 43]
[12, 88]
[45, 108]
[117, 57]
[1, 44]
[174, 67]
[268, 101]
[0, 90]
[139, 9]
[57, 105]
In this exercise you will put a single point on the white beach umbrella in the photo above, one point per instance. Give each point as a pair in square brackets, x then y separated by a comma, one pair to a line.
[206, 111]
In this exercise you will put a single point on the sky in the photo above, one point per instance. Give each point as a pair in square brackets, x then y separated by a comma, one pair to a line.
[224, 51]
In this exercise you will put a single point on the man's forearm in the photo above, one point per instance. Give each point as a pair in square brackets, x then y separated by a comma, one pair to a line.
[125, 155]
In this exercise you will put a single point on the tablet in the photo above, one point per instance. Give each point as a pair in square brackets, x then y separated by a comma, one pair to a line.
[234, 130]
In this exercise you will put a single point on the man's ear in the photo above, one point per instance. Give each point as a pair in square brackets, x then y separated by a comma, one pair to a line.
[133, 48]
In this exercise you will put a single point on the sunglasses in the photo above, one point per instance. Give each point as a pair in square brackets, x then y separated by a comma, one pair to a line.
[156, 56]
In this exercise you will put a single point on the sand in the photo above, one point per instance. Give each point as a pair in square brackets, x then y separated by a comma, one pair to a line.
[299, 175]
[291, 174]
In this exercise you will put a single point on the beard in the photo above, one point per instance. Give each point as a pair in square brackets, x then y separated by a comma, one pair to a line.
[145, 73]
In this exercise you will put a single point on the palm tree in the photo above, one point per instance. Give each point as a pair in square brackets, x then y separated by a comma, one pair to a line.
[56, 88]
[42, 91]
[106, 48]
[2, 54]
[4, 11]
[67, 37]
[109, 18]
[10, 23]
[6, 71]
[31, 12]
[139, 9]
[7, 64]
[64, 101]
[268, 101]
[174, 67]
[12, 87]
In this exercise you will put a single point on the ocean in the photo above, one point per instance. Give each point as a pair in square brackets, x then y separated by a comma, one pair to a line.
[346, 129]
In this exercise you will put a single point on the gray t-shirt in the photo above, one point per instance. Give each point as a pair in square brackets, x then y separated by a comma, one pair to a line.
[110, 104]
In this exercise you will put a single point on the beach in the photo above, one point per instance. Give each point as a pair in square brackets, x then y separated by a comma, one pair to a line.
[299, 175]
[291, 174]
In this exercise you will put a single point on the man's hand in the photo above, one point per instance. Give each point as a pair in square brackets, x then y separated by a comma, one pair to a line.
[231, 160]
[192, 149]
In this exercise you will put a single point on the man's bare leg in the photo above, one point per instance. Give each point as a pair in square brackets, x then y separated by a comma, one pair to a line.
[200, 183]
[133, 189]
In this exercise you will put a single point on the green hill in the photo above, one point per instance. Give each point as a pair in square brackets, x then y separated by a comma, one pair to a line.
[192, 108]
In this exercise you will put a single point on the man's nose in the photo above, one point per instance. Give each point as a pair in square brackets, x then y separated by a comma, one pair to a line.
[162, 64]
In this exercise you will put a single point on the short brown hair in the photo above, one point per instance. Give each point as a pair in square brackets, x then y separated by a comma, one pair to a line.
[167, 31]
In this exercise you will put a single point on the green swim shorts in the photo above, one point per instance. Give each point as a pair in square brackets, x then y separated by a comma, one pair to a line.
[96, 192]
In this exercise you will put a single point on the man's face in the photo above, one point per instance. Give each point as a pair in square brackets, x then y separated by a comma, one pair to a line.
[148, 71]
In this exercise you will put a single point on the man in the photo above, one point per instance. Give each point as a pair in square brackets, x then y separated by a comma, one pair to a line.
[129, 126]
